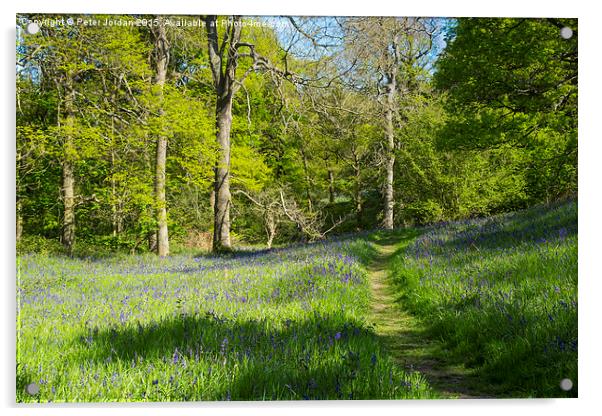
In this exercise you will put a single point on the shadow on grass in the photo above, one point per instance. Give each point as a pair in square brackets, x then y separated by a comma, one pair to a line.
[397, 237]
[473, 359]
[418, 350]
[541, 224]
[323, 357]
[504, 348]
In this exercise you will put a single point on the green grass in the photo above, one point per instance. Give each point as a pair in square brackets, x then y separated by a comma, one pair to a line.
[500, 294]
[288, 324]
[493, 299]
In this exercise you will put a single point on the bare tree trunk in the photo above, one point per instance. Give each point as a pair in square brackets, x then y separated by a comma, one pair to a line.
[223, 59]
[270, 225]
[68, 178]
[212, 200]
[69, 207]
[390, 152]
[114, 211]
[19, 219]
[161, 62]
[358, 192]
[307, 179]
[221, 226]
[114, 219]
[149, 211]
[152, 241]
[162, 233]
[119, 220]
[330, 186]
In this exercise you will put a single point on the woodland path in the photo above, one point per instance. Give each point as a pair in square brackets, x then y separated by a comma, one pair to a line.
[404, 336]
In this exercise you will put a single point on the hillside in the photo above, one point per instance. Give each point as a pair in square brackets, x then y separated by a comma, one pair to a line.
[477, 308]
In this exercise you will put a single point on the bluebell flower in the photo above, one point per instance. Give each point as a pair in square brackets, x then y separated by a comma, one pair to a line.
[224, 346]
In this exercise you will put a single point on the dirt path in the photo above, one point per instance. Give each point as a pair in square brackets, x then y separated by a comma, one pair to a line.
[403, 335]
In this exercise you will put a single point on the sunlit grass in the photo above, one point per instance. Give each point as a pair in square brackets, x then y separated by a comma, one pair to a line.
[501, 294]
[286, 324]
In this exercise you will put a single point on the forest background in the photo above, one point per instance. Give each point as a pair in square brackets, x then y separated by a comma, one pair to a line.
[261, 131]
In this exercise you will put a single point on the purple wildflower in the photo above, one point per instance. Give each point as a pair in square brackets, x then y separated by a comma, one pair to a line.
[224, 346]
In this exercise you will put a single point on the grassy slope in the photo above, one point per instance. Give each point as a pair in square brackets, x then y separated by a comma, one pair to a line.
[286, 324]
[501, 295]
[491, 298]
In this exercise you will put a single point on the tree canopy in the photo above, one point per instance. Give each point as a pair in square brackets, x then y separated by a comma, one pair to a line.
[244, 130]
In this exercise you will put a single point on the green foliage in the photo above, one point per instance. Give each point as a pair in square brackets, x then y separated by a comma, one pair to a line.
[248, 169]
[38, 244]
[426, 212]
[492, 129]
[512, 83]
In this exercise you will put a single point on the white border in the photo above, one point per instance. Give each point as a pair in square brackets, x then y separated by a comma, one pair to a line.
[590, 203]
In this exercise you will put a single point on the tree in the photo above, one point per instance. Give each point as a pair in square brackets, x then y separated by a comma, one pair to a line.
[59, 57]
[241, 130]
[224, 57]
[513, 83]
[161, 60]
[348, 137]
[387, 49]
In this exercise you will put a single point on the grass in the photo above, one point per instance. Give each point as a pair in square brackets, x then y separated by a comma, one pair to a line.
[500, 294]
[404, 335]
[484, 307]
[288, 324]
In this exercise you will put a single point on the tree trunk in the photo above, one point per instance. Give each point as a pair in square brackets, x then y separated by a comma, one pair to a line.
[114, 213]
[221, 209]
[307, 179]
[19, 219]
[212, 200]
[69, 207]
[271, 225]
[330, 186]
[223, 69]
[390, 152]
[358, 192]
[162, 233]
[68, 178]
[152, 241]
[161, 62]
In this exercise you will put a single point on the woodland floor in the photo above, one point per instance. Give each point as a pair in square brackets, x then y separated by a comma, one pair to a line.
[405, 337]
